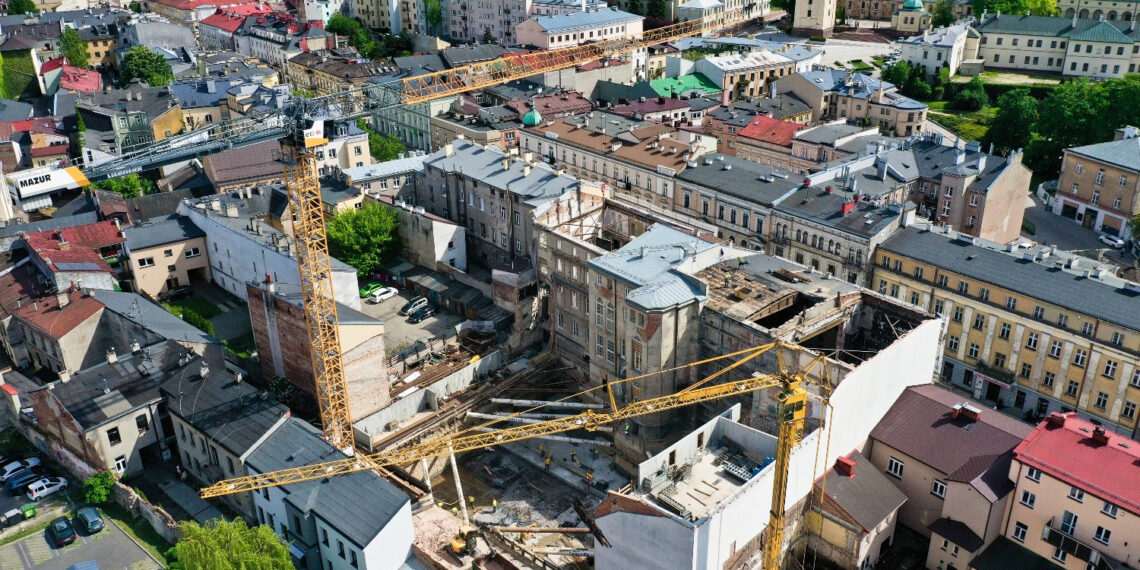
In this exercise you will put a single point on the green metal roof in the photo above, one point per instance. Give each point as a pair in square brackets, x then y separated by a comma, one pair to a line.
[1102, 32]
[1109, 31]
[668, 86]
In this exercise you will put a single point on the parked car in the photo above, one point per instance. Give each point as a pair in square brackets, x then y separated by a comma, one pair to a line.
[61, 531]
[45, 487]
[413, 306]
[90, 520]
[180, 292]
[14, 466]
[18, 483]
[369, 289]
[1111, 241]
[383, 295]
[421, 313]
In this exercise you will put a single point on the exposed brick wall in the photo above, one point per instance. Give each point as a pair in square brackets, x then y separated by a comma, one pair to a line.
[60, 428]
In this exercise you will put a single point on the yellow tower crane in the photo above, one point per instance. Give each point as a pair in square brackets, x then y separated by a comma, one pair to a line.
[790, 410]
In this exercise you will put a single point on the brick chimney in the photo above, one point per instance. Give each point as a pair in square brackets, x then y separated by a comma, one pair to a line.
[1057, 419]
[847, 207]
[965, 411]
[1100, 436]
[845, 466]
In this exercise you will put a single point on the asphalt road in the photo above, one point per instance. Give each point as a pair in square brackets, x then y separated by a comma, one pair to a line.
[397, 330]
[111, 548]
[1061, 232]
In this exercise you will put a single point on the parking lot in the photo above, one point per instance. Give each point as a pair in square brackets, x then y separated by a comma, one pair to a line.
[111, 548]
[398, 331]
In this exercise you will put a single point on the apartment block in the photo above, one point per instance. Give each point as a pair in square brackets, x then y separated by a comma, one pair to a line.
[748, 75]
[835, 94]
[166, 253]
[1076, 497]
[939, 48]
[575, 28]
[1073, 47]
[1031, 330]
[1099, 186]
[1097, 9]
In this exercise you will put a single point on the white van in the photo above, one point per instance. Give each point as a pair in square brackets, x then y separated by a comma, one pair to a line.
[45, 487]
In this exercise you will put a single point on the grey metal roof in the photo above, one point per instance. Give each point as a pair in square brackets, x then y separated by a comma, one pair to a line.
[778, 107]
[202, 93]
[385, 169]
[345, 315]
[358, 505]
[816, 205]
[827, 133]
[869, 497]
[1124, 153]
[613, 92]
[170, 229]
[430, 61]
[334, 191]
[958, 533]
[939, 37]
[578, 20]
[463, 55]
[648, 262]
[232, 413]
[485, 164]
[1086, 30]
[15, 110]
[1003, 554]
[150, 316]
[1117, 305]
[50, 224]
[755, 183]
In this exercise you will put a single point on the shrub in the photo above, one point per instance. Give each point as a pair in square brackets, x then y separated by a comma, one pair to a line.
[819, 39]
[97, 488]
[198, 321]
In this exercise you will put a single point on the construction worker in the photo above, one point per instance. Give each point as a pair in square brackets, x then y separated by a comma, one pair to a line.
[589, 477]
[574, 456]
[626, 428]
[471, 500]
[494, 504]
[441, 505]
[546, 460]
[455, 511]
[541, 450]
[595, 450]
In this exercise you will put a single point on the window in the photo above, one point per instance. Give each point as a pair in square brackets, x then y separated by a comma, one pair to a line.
[1028, 499]
[146, 262]
[193, 252]
[1069, 523]
[958, 313]
[979, 321]
[938, 489]
[999, 360]
[1033, 474]
[895, 467]
[943, 281]
[1135, 378]
[1048, 379]
[1003, 332]
[325, 536]
[168, 253]
[113, 436]
[1055, 349]
[1110, 509]
[939, 308]
[121, 463]
[352, 558]
[142, 423]
[1123, 180]
[973, 351]
[1062, 320]
[1011, 303]
[984, 294]
[1087, 329]
[1101, 401]
[1129, 411]
[1076, 494]
[1110, 369]
[1019, 531]
[1080, 356]
[952, 343]
[963, 287]
[1058, 554]
[1026, 370]
[1039, 312]
[918, 273]
[1117, 339]
[1102, 535]
[1031, 341]
[340, 548]
[1072, 388]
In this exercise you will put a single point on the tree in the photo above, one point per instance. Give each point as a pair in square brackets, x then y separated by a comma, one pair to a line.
[635, 7]
[1070, 116]
[136, 7]
[97, 488]
[972, 97]
[433, 12]
[73, 47]
[1012, 125]
[358, 37]
[656, 9]
[228, 545]
[488, 37]
[130, 185]
[841, 15]
[1134, 229]
[145, 65]
[364, 238]
[897, 74]
[21, 7]
[382, 147]
[943, 13]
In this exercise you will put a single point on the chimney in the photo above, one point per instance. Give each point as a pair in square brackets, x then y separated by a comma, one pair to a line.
[203, 370]
[526, 170]
[506, 163]
[982, 163]
[1057, 419]
[270, 286]
[845, 466]
[136, 347]
[62, 299]
[1100, 436]
[449, 149]
[847, 207]
[965, 411]
[64, 376]
[111, 356]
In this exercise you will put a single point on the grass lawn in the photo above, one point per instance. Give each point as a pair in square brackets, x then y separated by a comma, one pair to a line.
[969, 125]
[12, 443]
[138, 528]
[200, 306]
[242, 345]
[34, 529]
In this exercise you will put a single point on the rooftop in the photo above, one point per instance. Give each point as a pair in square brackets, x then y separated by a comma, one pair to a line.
[1060, 280]
[817, 204]
[1109, 31]
[340, 63]
[733, 63]
[229, 411]
[1004, 553]
[631, 140]
[651, 263]
[399, 166]
[867, 496]
[137, 98]
[485, 164]
[767, 291]
[55, 321]
[1102, 463]
[580, 20]
[740, 178]
[254, 163]
[1124, 153]
[359, 505]
[150, 316]
[828, 133]
[161, 231]
[923, 424]
[773, 131]
[684, 85]
[202, 93]
[940, 37]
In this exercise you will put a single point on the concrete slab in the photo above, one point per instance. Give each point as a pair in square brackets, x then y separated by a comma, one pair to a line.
[110, 548]
[398, 332]
[187, 498]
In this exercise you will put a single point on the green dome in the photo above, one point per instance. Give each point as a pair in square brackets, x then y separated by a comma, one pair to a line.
[531, 118]
[912, 5]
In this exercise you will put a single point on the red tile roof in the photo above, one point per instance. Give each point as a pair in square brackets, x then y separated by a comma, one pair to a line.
[657, 105]
[79, 245]
[230, 19]
[52, 65]
[53, 150]
[96, 236]
[18, 287]
[771, 130]
[81, 80]
[192, 4]
[1063, 446]
[47, 316]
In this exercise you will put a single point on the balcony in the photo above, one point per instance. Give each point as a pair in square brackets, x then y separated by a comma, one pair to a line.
[1000, 374]
[1053, 535]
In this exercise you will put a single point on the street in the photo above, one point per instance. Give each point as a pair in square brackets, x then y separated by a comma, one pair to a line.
[398, 332]
[111, 548]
